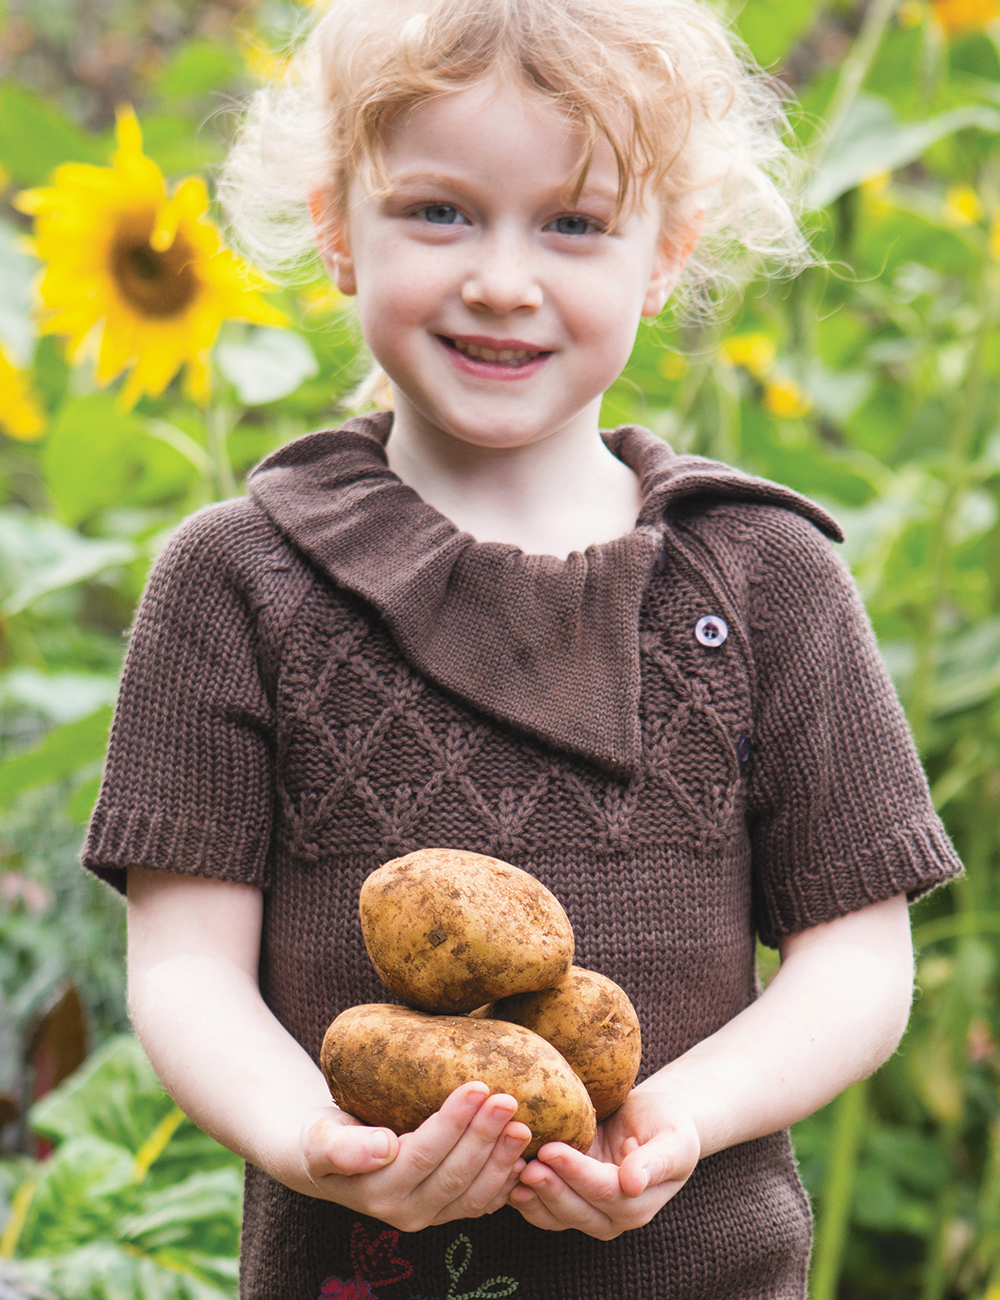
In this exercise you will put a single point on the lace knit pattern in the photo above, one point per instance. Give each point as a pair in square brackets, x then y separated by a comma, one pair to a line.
[271, 732]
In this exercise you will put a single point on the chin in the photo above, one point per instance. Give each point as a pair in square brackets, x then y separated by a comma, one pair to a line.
[499, 435]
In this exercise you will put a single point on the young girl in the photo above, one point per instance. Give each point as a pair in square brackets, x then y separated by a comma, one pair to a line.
[476, 621]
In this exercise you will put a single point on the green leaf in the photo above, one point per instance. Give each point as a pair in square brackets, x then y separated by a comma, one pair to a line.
[62, 752]
[771, 27]
[86, 460]
[83, 1188]
[268, 365]
[58, 697]
[81, 559]
[81, 804]
[168, 138]
[97, 456]
[35, 137]
[873, 140]
[201, 1210]
[198, 67]
[915, 1159]
[114, 1096]
[100, 1224]
[17, 274]
[969, 669]
[106, 1270]
[802, 462]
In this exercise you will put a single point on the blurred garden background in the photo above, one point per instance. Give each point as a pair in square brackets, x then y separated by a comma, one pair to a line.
[871, 383]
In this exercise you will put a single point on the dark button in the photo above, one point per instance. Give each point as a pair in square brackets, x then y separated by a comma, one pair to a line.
[711, 630]
[744, 749]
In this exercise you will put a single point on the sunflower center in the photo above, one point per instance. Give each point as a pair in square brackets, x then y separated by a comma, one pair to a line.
[155, 284]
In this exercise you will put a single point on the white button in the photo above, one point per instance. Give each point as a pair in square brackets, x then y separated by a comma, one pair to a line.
[711, 630]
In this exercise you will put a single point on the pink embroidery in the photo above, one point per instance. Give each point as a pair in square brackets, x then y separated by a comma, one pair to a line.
[374, 1260]
[354, 1289]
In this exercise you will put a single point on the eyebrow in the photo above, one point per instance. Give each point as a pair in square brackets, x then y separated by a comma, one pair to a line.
[446, 180]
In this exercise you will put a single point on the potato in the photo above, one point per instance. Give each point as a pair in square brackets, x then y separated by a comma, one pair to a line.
[394, 1067]
[592, 1023]
[449, 930]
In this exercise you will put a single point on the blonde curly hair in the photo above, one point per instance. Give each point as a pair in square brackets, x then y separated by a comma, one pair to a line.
[692, 121]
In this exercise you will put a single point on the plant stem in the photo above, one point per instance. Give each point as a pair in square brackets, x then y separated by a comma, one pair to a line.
[963, 429]
[219, 420]
[854, 70]
[936, 1270]
[838, 1192]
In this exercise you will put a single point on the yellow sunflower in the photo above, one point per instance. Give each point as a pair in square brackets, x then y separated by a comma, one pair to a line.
[960, 16]
[140, 274]
[785, 399]
[21, 416]
[754, 352]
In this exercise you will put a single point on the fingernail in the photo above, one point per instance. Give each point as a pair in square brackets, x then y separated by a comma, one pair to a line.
[645, 1179]
[378, 1145]
[513, 1143]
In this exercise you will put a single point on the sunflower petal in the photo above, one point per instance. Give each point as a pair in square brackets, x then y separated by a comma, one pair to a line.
[136, 277]
[21, 414]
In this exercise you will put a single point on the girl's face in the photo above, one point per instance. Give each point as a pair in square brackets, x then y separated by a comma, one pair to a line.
[499, 309]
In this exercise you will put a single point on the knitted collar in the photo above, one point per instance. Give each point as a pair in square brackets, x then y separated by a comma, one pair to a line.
[548, 646]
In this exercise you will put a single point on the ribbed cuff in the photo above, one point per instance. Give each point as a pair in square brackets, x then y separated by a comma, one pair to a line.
[911, 861]
[135, 837]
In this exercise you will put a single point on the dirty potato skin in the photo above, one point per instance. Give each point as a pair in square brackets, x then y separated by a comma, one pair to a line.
[591, 1022]
[393, 1067]
[448, 930]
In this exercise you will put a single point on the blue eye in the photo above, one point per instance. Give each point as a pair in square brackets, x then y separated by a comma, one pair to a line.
[572, 226]
[440, 214]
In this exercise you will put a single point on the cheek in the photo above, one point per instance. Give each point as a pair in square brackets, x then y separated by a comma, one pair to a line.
[399, 287]
[606, 311]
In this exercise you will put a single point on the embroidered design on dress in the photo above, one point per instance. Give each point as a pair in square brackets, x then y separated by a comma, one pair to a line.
[374, 1264]
[456, 1263]
[354, 1289]
[374, 1260]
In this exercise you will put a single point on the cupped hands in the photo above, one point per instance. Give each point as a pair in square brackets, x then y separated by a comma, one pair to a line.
[461, 1163]
[642, 1156]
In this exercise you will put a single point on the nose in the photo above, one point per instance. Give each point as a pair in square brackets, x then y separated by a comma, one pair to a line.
[501, 280]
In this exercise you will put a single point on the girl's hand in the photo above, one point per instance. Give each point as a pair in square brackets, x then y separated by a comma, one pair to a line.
[642, 1156]
[461, 1163]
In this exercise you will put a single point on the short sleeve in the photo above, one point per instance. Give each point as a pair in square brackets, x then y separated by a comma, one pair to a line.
[187, 782]
[840, 815]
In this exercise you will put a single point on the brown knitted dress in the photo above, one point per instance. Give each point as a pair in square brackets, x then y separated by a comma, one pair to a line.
[329, 674]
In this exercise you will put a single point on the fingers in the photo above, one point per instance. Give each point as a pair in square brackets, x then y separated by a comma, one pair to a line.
[656, 1164]
[497, 1176]
[595, 1180]
[549, 1202]
[535, 1210]
[564, 1189]
[483, 1165]
[330, 1147]
[424, 1150]
[462, 1162]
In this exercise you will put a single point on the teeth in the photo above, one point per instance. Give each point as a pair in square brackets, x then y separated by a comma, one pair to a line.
[506, 356]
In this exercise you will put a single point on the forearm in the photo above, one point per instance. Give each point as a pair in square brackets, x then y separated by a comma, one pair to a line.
[833, 1013]
[226, 1060]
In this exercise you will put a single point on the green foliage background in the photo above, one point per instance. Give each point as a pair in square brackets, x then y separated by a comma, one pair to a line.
[871, 383]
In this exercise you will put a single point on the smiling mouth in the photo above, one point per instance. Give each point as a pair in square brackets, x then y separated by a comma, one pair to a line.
[512, 357]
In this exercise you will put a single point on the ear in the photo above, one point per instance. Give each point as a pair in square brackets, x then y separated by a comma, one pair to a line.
[671, 258]
[332, 242]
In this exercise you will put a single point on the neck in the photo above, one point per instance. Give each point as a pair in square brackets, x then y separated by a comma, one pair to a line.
[562, 493]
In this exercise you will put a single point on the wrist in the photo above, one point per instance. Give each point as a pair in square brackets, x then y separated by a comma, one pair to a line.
[690, 1101]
